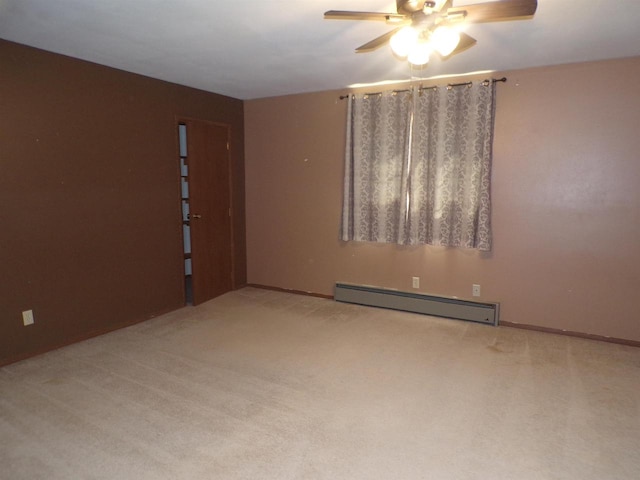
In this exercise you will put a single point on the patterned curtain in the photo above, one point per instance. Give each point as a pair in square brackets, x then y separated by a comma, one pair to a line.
[418, 167]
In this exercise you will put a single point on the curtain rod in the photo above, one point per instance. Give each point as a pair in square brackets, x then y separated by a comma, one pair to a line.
[449, 86]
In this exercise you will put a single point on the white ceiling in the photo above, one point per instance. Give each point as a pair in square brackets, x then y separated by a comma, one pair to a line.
[259, 48]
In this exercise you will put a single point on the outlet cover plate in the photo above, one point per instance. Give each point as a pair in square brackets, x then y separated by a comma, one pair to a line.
[27, 317]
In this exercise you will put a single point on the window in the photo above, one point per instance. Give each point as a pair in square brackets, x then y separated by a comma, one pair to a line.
[418, 166]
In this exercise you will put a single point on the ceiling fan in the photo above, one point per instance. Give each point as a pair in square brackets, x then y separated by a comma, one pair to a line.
[424, 26]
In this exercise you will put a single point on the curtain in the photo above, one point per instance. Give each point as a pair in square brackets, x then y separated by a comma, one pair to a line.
[418, 167]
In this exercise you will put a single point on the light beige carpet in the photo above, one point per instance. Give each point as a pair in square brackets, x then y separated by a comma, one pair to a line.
[266, 385]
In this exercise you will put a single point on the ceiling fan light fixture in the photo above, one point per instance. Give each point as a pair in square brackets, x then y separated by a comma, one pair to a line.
[445, 40]
[420, 53]
[403, 41]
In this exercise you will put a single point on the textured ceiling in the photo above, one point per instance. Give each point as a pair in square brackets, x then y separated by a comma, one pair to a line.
[250, 49]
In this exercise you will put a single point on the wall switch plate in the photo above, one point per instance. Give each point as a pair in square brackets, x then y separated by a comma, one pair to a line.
[475, 290]
[415, 282]
[27, 317]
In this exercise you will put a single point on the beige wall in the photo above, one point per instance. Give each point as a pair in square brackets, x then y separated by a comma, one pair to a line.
[566, 218]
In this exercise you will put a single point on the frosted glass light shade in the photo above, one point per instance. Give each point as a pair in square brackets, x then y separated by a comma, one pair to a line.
[403, 40]
[445, 40]
[419, 54]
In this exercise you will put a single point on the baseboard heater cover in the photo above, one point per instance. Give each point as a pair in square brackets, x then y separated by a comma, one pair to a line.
[487, 313]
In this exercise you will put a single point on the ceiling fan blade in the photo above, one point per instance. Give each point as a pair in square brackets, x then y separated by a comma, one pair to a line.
[376, 42]
[345, 15]
[446, 6]
[496, 11]
[466, 41]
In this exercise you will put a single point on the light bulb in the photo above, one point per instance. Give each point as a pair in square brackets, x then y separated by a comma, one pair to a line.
[445, 40]
[403, 40]
[419, 54]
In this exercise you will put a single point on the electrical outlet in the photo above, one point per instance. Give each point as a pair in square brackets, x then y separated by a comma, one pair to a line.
[475, 290]
[415, 282]
[27, 317]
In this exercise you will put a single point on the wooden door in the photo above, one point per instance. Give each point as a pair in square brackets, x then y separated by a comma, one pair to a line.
[210, 209]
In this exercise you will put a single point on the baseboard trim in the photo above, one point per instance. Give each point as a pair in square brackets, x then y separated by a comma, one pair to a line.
[82, 338]
[290, 290]
[501, 323]
[569, 333]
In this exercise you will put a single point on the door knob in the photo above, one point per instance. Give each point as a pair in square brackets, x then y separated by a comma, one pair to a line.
[195, 215]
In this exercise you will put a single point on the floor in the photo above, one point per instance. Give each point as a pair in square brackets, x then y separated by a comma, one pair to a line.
[259, 384]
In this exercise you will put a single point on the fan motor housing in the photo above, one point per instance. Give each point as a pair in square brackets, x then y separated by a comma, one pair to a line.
[412, 6]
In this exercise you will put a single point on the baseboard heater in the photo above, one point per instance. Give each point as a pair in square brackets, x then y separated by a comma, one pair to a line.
[418, 303]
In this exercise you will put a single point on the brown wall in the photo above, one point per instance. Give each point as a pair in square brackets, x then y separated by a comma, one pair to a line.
[566, 198]
[90, 232]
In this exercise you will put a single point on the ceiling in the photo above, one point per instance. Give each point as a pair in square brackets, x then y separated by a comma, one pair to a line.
[259, 48]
